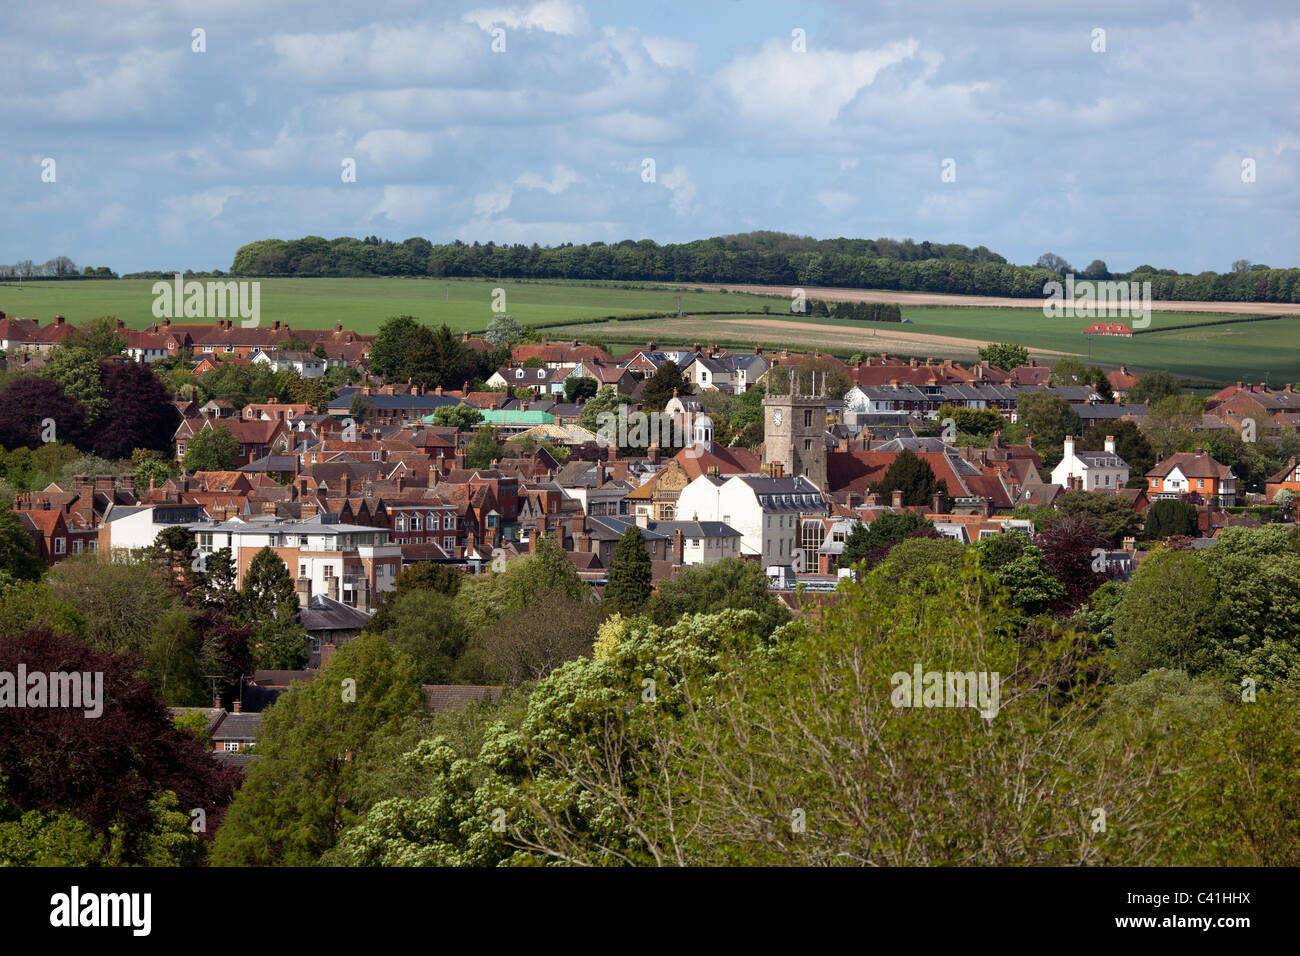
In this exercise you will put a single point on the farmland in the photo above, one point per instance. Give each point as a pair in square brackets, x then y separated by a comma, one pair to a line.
[1252, 351]
[362, 304]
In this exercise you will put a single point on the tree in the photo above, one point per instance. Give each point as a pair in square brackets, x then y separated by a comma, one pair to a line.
[138, 415]
[579, 387]
[1005, 355]
[1069, 547]
[360, 408]
[605, 400]
[629, 585]
[1113, 515]
[211, 449]
[502, 330]
[303, 791]
[268, 589]
[461, 417]
[423, 624]
[913, 475]
[1241, 265]
[1166, 617]
[17, 553]
[57, 760]
[25, 405]
[484, 448]
[1050, 260]
[731, 583]
[1168, 517]
[1068, 371]
[77, 370]
[154, 470]
[529, 643]
[392, 345]
[1049, 418]
[667, 380]
[1152, 387]
[1019, 567]
[1097, 270]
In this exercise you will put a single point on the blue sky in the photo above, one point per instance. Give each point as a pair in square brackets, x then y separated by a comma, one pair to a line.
[167, 158]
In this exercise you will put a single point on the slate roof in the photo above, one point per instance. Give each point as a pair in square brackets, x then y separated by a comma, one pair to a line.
[440, 698]
[326, 614]
[238, 727]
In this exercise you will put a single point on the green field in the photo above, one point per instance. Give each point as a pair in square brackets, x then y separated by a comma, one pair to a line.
[362, 304]
[1251, 351]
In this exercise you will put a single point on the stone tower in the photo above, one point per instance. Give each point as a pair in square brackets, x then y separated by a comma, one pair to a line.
[795, 425]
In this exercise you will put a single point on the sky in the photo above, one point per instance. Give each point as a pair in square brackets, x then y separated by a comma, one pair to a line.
[1171, 138]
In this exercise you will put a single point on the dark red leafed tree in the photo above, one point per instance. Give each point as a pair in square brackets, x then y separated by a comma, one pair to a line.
[27, 402]
[104, 769]
[139, 413]
[1070, 545]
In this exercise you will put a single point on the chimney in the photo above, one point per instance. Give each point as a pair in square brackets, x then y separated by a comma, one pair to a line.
[1110, 444]
[873, 500]
[303, 590]
[986, 507]
[237, 706]
[401, 484]
[363, 594]
[1029, 442]
[938, 502]
[679, 548]
[1068, 452]
[326, 652]
[1033, 363]
[896, 499]
[59, 320]
[332, 587]
[1130, 544]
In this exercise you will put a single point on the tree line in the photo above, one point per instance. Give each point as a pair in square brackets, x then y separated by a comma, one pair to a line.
[754, 258]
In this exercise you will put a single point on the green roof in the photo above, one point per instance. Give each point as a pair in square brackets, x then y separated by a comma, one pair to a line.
[494, 416]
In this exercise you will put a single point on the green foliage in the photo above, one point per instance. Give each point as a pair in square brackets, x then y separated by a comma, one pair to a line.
[423, 625]
[629, 584]
[1168, 616]
[77, 369]
[315, 739]
[1152, 387]
[1005, 355]
[1018, 566]
[660, 387]
[17, 552]
[503, 330]
[886, 528]
[727, 584]
[913, 474]
[576, 387]
[1167, 516]
[461, 417]
[1112, 514]
[211, 449]
[1049, 418]
[268, 590]
[484, 448]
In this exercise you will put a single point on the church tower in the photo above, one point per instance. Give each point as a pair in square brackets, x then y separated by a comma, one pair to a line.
[794, 418]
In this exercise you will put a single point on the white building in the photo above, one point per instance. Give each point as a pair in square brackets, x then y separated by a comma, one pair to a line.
[305, 364]
[131, 528]
[1091, 470]
[764, 510]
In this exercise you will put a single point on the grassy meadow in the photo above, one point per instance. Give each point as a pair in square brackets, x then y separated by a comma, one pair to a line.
[1252, 351]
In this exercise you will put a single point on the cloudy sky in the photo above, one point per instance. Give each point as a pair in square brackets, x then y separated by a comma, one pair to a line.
[169, 158]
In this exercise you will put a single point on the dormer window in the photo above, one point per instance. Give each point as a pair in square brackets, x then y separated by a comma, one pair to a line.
[519, 373]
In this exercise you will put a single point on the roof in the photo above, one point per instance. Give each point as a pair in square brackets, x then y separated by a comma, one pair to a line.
[1191, 465]
[326, 614]
[440, 698]
[238, 727]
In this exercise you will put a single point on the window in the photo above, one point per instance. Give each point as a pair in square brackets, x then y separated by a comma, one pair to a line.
[807, 417]
[302, 570]
[329, 570]
[448, 543]
[232, 745]
[94, 546]
[400, 523]
[416, 525]
[519, 373]
[76, 547]
[433, 523]
[450, 522]
[807, 444]
[695, 542]
[60, 545]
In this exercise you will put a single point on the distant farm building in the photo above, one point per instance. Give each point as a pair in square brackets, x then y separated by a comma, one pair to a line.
[1109, 328]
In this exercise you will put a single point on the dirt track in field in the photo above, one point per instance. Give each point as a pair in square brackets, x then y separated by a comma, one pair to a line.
[930, 298]
[801, 335]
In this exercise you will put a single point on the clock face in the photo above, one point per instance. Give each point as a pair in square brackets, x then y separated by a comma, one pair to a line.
[776, 419]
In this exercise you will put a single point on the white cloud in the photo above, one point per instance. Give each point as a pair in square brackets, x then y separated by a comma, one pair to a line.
[678, 181]
[128, 85]
[395, 147]
[113, 215]
[562, 17]
[562, 177]
[805, 90]
[493, 202]
[181, 212]
[674, 54]
[835, 200]
[407, 204]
